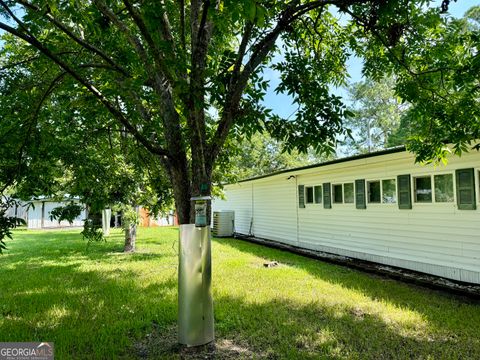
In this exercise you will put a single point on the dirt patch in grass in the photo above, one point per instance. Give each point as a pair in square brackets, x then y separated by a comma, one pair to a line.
[163, 343]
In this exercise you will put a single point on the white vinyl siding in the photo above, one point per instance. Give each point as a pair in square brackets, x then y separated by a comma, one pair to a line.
[35, 214]
[275, 210]
[433, 237]
[239, 200]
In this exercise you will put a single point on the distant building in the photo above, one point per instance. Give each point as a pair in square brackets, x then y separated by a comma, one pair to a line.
[36, 214]
[147, 220]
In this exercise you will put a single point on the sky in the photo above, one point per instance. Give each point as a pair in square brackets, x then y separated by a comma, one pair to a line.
[282, 104]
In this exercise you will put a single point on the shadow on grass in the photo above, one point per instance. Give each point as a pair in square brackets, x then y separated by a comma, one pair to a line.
[280, 329]
[445, 311]
[117, 311]
[37, 247]
[88, 314]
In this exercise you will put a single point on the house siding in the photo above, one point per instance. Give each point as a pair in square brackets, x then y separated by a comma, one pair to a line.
[434, 238]
[34, 216]
[240, 200]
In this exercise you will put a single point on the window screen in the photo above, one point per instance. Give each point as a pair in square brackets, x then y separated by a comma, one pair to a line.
[389, 191]
[443, 188]
[309, 194]
[423, 189]
[360, 202]
[348, 194]
[374, 191]
[318, 194]
[337, 194]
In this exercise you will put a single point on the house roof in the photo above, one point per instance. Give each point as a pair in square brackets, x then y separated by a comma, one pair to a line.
[392, 150]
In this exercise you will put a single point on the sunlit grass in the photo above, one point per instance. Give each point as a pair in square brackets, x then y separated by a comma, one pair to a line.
[101, 303]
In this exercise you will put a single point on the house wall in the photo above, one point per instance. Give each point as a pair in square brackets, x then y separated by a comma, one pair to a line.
[40, 219]
[239, 198]
[435, 238]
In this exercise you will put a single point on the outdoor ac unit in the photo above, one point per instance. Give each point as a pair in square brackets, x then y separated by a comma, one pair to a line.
[223, 223]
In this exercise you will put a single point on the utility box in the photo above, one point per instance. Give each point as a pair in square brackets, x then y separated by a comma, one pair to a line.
[195, 303]
[223, 223]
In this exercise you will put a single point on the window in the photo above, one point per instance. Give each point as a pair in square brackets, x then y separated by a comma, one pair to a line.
[423, 189]
[443, 188]
[373, 191]
[309, 191]
[389, 191]
[318, 194]
[348, 194]
[337, 194]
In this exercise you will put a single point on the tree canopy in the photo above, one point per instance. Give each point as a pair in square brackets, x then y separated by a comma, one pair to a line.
[182, 79]
[378, 111]
[437, 69]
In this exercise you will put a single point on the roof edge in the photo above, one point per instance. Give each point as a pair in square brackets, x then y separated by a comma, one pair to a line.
[392, 150]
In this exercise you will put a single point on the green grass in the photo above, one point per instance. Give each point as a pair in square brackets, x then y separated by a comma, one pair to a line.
[101, 303]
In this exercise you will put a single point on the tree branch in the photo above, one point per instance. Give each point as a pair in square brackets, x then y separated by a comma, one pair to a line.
[242, 49]
[92, 89]
[157, 55]
[182, 25]
[75, 38]
[133, 40]
[259, 53]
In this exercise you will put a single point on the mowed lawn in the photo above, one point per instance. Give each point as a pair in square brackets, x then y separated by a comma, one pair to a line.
[100, 303]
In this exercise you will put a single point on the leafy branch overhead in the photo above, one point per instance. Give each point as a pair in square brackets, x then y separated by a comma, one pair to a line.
[181, 79]
[7, 221]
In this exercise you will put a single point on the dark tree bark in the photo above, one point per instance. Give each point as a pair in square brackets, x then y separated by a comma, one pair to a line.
[130, 228]
[130, 238]
[187, 151]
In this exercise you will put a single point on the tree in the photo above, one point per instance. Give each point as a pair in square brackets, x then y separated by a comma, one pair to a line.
[99, 163]
[158, 68]
[437, 71]
[7, 221]
[377, 114]
[261, 155]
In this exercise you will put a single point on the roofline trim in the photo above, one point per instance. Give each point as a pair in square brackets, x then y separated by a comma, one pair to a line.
[331, 162]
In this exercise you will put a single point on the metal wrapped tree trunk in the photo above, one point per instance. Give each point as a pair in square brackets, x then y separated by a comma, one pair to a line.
[195, 303]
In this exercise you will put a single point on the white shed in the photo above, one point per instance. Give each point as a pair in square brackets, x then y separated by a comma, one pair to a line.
[379, 207]
[38, 215]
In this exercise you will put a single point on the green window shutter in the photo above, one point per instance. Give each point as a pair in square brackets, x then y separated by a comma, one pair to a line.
[360, 198]
[301, 196]
[466, 189]
[404, 190]
[327, 196]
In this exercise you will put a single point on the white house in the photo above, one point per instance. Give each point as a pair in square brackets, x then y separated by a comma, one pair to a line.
[38, 215]
[379, 207]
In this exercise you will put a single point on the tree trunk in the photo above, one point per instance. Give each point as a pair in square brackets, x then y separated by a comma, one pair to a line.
[130, 234]
[130, 238]
[180, 181]
[183, 190]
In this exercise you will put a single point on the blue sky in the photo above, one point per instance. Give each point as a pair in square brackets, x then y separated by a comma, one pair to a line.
[282, 104]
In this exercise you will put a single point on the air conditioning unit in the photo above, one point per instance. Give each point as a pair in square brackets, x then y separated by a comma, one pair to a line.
[223, 223]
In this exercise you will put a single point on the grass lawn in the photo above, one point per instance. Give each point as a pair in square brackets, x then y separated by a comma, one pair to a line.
[101, 303]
